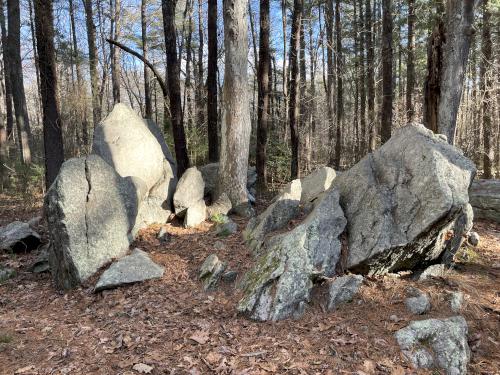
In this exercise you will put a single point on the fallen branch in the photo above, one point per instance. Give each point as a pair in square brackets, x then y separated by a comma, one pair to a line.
[145, 61]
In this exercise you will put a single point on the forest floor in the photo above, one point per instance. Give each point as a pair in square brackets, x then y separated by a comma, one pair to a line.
[171, 326]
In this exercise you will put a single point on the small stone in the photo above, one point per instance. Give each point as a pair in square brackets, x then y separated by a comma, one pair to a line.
[436, 270]
[41, 263]
[132, 268]
[6, 274]
[419, 302]
[229, 276]
[219, 245]
[211, 271]
[342, 290]
[456, 300]
[394, 318]
[226, 229]
[163, 235]
[473, 238]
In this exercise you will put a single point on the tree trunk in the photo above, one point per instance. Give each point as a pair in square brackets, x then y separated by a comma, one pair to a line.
[200, 85]
[285, 71]
[303, 103]
[387, 83]
[115, 52]
[17, 81]
[370, 76]
[293, 106]
[188, 110]
[330, 77]
[410, 63]
[52, 133]
[147, 83]
[263, 100]
[174, 87]
[7, 75]
[236, 125]
[94, 76]
[213, 141]
[362, 79]
[448, 52]
[340, 90]
[485, 72]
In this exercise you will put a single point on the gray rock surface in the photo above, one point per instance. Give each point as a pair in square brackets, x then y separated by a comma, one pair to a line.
[485, 199]
[211, 271]
[91, 213]
[445, 341]
[280, 283]
[226, 228]
[195, 214]
[418, 303]
[473, 238]
[229, 276]
[221, 206]
[41, 263]
[316, 183]
[189, 191]
[130, 269]
[6, 273]
[456, 300]
[403, 200]
[342, 290]
[135, 147]
[436, 270]
[283, 208]
[18, 237]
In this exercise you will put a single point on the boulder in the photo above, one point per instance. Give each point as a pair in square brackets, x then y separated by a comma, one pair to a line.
[406, 204]
[189, 191]
[130, 269]
[18, 237]
[135, 147]
[418, 303]
[211, 271]
[436, 270]
[91, 213]
[316, 183]
[436, 343]
[226, 228]
[342, 290]
[485, 199]
[196, 214]
[221, 206]
[280, 283]
[473, 238]
[284, 207]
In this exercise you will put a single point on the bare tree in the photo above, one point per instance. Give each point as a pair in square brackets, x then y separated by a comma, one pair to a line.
[213, 140]
[6, 65]
[115, 52]
[147, 85]
[236, 127]
[52, 133]
[174, 86]
[340, 89]
[486, 63]
[410, 63]
[387, 84]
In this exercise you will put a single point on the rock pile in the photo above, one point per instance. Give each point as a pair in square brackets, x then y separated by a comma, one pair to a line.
[404, 207]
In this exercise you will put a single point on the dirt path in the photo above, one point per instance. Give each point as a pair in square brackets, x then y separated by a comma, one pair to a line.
[173, 327]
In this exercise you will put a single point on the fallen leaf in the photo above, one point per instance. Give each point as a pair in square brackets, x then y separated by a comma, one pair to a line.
[201, 337]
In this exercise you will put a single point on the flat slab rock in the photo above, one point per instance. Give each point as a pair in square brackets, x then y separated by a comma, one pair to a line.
[130, 269]
[18, 237]
[485, 199]
[436, 343]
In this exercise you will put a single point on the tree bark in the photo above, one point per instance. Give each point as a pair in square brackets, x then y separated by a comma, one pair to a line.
[115, 52]
[52, 132]
[329, 20]
[485, 73]
[387, 79]
[6, 67]
[362, 79]
[293, 106]
[340, 90]
[370, 76]
[200, 85]
[263, 98]
[410, 63]
[94, 76]
[236, 125]
[147, 84]
[174, 88]
[213, 140]
[17, 81]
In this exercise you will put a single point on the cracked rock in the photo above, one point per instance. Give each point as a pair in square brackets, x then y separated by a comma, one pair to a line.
[406, 204]
[436, 343]
[211, 271]
[91, 213]
[280, 283]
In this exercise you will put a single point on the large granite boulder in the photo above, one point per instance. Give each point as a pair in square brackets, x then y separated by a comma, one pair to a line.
[438, 343]
[280, 283]
[406, 204]
[91, 213]
[485, 199]
[135, 147]
[316, 183]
